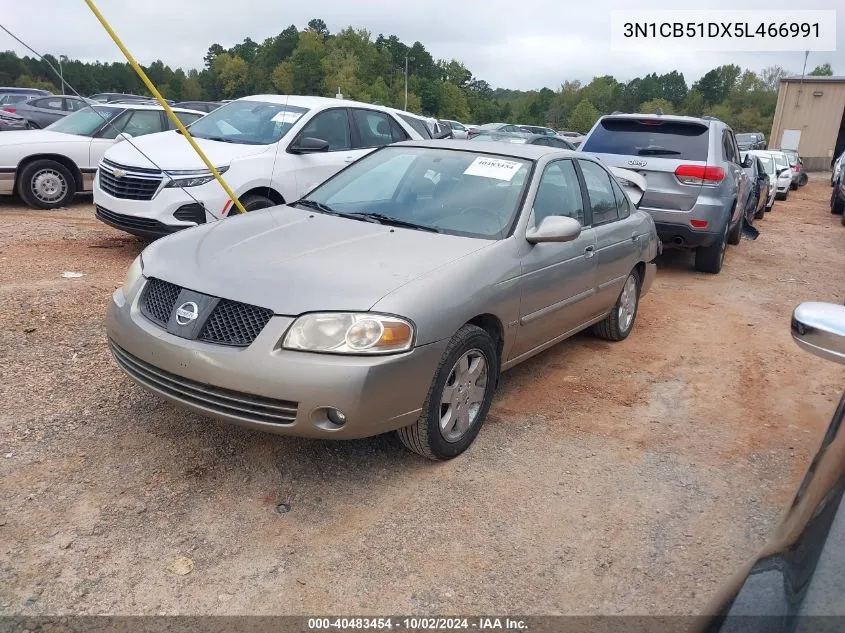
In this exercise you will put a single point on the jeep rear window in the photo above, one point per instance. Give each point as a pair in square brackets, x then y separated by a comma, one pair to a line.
[649, 137]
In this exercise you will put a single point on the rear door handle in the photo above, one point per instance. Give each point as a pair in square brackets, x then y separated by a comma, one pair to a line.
[589, 251]
[634, 237]
[348, 159]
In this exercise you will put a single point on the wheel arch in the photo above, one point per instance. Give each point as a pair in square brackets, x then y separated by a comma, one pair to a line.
[267, 192]
[59, 158]
[491, 324]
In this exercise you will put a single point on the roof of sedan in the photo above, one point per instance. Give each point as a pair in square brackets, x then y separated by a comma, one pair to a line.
[306, 101]
[517, 150]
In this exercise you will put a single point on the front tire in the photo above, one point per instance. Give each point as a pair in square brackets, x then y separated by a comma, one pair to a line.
[837, 204]
[459, 397]
[46, 184]
[618, 324]
[252, 202]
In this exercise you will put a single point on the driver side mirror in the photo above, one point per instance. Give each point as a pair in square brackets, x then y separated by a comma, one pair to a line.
[309, 145]
[747, 161]
[819, 328]
[782, 170]
[554, 228]
[123, 136]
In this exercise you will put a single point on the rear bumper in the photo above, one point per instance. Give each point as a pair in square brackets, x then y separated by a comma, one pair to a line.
[682, 236]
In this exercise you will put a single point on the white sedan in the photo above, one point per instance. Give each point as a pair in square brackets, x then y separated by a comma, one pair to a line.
[47, 167]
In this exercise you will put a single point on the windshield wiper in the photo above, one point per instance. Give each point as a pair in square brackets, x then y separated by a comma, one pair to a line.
[657, 151]
[215, 138]
[391, 221]
[324, 208]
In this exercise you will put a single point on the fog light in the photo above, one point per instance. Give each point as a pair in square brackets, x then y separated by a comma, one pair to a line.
[336, 417]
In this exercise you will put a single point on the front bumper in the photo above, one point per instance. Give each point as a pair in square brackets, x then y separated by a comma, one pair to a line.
[249, 386]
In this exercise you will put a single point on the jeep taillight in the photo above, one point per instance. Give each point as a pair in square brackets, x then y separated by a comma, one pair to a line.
[700, 174]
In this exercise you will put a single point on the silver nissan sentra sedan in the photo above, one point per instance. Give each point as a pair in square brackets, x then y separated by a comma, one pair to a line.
[392, 296]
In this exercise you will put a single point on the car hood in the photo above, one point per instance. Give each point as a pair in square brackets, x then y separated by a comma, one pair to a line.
[171, 150]
[294, 261]
[38, 137]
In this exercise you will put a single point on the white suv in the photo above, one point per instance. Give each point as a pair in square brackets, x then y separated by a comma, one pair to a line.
[271, 149]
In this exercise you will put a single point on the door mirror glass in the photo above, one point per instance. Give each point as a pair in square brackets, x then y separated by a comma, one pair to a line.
[747, 161]
[554, 228]
[309, 144]
[782, 170]
[123, 136]
[819, 328]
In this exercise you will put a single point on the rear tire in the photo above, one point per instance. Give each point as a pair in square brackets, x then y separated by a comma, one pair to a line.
[837, 204]
[803, 179]
[761, 213]
[735, 235]
[620, 322]
[428, 436]
[46, 184]
[709, 259]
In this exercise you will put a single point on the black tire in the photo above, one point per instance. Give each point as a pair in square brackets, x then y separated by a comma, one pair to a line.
[612, 328]
[252, 202]
[425, 436]
[793, 186]
[803, 179]
[46, 184]
[761, 213]
[709, 259]
[33, 125]
[837, 204]
[735, 236]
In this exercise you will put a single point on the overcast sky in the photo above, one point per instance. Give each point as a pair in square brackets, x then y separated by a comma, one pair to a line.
[521, 45]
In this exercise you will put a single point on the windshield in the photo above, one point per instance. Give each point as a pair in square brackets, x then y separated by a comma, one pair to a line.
[85, 122]
[451, 191]
[248, 122]
[679, 140]
[745, 138]
[490, 126]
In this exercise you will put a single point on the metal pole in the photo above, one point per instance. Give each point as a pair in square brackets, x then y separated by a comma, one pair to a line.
[406, 82]
[61, 74]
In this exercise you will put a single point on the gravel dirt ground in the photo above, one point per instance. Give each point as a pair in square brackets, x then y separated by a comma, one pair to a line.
[626, 478]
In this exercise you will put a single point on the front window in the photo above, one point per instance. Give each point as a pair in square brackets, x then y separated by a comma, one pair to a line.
[248, 122]
[450, 191]
[86, 121]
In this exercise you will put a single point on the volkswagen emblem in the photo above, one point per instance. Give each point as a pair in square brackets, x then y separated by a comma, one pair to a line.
[186, 313]
[118, 173]
[638, 162]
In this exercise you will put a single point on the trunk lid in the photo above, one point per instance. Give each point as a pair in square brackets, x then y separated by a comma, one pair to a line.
[654, 148]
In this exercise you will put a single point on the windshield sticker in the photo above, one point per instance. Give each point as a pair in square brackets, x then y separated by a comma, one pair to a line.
[497, 168]
[286, 116]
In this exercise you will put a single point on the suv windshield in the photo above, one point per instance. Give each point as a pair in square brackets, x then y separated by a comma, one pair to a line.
[745, 138]
[679, 140]
[449, 191]
[85, 122]
[248, 122]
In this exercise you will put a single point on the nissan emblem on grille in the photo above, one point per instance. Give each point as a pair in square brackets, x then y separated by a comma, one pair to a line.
[186, 313]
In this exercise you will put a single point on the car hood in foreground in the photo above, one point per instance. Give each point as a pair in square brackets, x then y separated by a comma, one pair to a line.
[294, 261]
[170, 150]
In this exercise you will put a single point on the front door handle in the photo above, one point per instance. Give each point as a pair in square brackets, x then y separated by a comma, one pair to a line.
[589, 251]
[634, 237]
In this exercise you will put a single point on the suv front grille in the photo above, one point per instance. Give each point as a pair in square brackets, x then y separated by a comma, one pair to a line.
[129, 183]
[234, 323]
[159, 300]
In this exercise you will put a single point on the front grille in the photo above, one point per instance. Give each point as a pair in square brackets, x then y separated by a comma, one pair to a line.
[233, 323]
[206, 397]
[158, 300]
[135, 183]
[193, 212]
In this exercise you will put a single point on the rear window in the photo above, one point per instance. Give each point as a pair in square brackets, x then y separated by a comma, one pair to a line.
[418, 124]
[746, 138]
[649, 137]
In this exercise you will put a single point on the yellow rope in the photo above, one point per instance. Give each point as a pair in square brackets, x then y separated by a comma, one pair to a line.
[160, 99]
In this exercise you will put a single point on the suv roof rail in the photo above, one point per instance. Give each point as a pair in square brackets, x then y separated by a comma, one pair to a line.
[710, 117]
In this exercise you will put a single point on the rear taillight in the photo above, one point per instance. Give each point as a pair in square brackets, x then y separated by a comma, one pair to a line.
[10, 110]
[700, 174]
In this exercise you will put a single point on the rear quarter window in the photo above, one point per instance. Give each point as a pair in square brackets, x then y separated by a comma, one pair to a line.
[648, 137]
[418, 125]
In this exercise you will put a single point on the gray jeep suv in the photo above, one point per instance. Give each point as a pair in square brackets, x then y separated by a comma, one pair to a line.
[694, 175]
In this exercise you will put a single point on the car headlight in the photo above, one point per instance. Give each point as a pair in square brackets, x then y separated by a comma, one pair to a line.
[349, 333]
[133, 275]
[192, 177]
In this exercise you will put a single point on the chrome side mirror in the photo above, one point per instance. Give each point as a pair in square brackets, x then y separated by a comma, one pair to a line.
[819, 328]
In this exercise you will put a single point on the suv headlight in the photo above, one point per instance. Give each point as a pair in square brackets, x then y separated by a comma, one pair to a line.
[349, 333]
[133, 275]
[191, 177]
